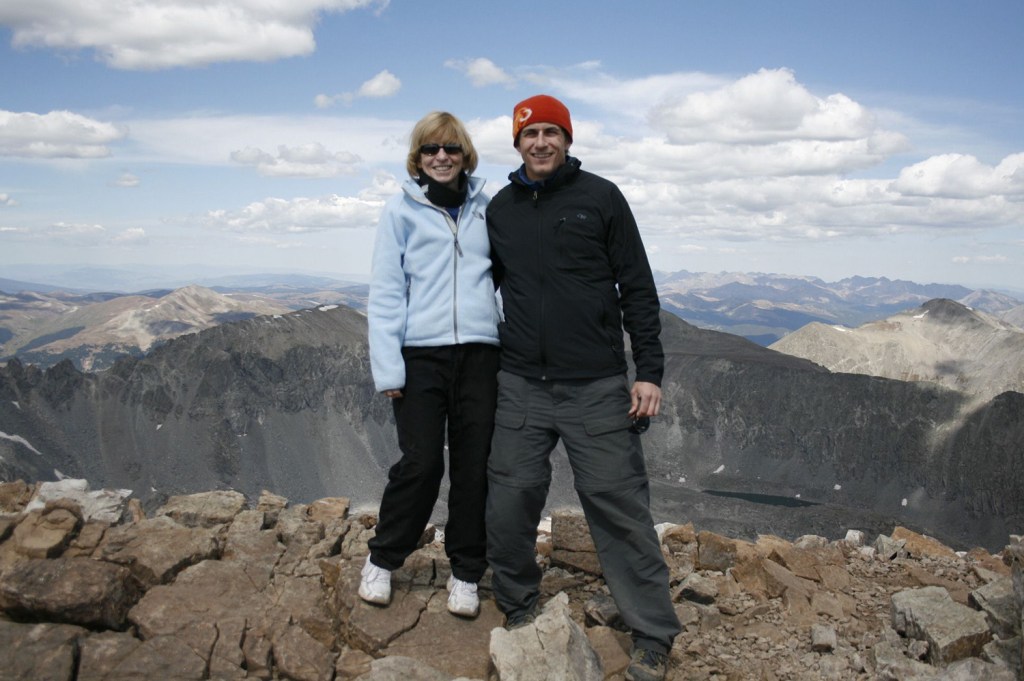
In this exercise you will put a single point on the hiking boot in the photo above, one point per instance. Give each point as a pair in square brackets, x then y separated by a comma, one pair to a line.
[462, 598]
[523, 619]
[646, 665]
[375, 586]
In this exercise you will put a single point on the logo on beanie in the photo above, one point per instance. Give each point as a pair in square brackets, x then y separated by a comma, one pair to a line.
[522, 116]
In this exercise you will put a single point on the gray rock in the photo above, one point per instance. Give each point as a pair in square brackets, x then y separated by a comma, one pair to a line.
[204, 509]
[823, 638]
[156, 549]
[106, 505]
[553, 648]
[69, 590]
[973, 669]
[890, 663]
[40, 652]
[299, 656]
[698, 588]
[1005, 653]
[227, 659]
[855, 538]
[46, 532]
[952, 631]
[402, 669]
[715, 552]
[601, 610]
[888, 548]
[996, 600]
[111, 655]
[453, 645]
[271, 505]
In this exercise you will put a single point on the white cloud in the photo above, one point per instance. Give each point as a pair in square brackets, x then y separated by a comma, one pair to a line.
[981, 259]
[962, 176]
[323, 101]
[57, 134]
[762, 108]
[131, 236]
[127, 180]
[384, 84]
[7, 200]
[76, 234]
[481, 71]
[213, 140]
[307, 160]
[275, 216]
[73, 235]
[628, 101]
[158, 34]
[295, 216]
[762, 158]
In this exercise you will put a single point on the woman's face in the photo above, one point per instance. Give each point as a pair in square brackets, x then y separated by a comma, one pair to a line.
[443, 166]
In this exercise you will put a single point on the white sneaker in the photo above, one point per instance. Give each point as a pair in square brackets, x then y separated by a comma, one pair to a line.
[375, 586]
[463, 600]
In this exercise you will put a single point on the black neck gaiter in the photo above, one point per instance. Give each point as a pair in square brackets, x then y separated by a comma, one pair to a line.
[441, 195]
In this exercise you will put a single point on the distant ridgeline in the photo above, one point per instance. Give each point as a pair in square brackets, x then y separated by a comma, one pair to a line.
[44, 326]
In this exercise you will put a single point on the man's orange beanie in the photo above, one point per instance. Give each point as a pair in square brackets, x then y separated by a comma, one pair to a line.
[540, 109]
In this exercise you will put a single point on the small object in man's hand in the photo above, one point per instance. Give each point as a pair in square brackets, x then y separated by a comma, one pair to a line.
[640, 425]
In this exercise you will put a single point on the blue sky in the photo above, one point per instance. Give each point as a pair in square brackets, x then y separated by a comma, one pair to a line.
[818, 138]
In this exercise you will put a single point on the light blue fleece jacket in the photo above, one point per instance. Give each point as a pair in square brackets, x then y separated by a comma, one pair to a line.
[430, 282]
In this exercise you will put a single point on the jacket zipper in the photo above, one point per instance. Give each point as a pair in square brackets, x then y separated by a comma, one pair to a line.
[454, 226]
[543, 285]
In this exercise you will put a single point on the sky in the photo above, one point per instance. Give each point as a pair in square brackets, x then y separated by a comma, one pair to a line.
[805, 137]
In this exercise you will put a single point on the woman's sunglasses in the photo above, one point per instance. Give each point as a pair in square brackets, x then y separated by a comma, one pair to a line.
[432, 149]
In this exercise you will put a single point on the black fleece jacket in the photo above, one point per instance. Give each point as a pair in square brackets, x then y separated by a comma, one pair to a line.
[573, 273]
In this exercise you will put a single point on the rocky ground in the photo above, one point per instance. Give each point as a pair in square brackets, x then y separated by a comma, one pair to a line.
[215, 586]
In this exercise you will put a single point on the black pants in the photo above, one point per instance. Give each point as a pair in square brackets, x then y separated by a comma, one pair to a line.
[449, 391]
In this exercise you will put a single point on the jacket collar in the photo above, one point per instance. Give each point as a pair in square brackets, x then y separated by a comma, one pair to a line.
[412, 187]
[562, 176]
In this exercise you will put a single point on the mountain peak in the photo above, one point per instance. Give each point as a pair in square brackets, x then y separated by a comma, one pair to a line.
[948, 310]
[942, 341]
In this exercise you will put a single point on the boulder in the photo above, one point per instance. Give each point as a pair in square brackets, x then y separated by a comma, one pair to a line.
[552, 648]
[952, 631]
[157, 549]
[205, 509]
[80, 591]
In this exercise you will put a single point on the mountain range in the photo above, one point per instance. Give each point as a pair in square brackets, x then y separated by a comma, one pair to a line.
[765, 307]
[94, 329]
[43, 323]
[285, 402]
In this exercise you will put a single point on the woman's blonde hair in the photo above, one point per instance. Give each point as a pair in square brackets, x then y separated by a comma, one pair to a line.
[443, 128]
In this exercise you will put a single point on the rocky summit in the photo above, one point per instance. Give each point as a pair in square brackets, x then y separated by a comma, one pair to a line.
[217, 586]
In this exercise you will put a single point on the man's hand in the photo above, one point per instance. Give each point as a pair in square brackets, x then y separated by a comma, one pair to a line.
[646, 400]
[393, 394]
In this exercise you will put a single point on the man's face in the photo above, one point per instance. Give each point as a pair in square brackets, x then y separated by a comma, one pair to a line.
[543, 147]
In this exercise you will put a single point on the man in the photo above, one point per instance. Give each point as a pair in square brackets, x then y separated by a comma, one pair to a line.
[573, 273]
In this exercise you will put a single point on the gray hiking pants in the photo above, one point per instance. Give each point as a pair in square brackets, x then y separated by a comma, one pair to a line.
[590, 417]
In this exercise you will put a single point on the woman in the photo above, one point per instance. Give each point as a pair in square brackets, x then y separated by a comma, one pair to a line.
[433, 319]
